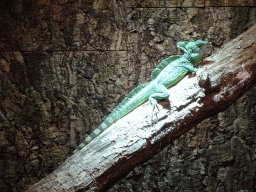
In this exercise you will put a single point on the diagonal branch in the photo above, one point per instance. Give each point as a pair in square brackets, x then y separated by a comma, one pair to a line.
[136, 137]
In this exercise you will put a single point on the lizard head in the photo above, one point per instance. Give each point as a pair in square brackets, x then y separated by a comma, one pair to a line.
[195, 49]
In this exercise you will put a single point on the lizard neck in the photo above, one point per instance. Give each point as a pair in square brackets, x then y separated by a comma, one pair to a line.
[187, 56]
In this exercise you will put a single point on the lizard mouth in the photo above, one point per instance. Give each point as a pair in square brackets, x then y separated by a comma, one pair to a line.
[202, 49]
[199, 55]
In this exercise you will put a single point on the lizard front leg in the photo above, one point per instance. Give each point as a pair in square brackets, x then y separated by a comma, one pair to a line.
[189, 67]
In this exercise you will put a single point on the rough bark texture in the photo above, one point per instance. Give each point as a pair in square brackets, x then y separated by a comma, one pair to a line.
[133, 139]
[65, 64]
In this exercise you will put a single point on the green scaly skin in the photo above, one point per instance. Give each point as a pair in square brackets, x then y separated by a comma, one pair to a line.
[166, 74]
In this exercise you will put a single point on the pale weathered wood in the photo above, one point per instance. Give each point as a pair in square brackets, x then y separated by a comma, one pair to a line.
[225, 76]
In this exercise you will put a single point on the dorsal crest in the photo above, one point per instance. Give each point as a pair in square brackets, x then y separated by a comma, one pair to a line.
[162, 65]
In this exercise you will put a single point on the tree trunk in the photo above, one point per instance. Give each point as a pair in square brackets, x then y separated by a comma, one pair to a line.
[225, 76]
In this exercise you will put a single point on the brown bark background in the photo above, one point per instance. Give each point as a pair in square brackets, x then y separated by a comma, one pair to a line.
[65, 64]
[139, 135]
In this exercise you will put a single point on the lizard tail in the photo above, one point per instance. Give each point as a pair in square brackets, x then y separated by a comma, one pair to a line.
[121, 110]
[95, 133]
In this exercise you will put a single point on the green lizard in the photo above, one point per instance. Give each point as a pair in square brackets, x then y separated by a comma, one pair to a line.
[167, 73]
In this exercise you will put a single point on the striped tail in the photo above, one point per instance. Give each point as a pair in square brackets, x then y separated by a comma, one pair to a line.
[109, 121]
[126, 106]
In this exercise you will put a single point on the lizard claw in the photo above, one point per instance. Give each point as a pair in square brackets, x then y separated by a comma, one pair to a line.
[154, 104]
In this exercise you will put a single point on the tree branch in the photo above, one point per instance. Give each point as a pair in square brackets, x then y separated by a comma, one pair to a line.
[136, 137]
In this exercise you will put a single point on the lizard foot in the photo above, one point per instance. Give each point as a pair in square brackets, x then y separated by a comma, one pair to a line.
[155, 105]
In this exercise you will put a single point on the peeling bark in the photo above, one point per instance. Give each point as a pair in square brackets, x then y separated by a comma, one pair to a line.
[136, 137]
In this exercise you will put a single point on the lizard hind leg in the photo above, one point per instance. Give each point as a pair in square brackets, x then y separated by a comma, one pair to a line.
[161, 93]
